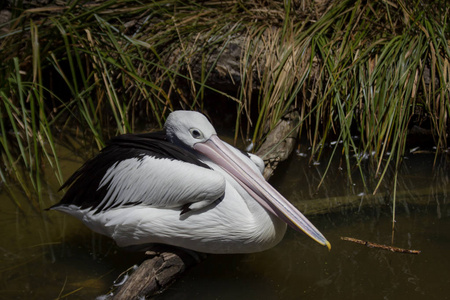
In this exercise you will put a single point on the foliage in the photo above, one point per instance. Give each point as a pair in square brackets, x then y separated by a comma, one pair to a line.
[101, 68]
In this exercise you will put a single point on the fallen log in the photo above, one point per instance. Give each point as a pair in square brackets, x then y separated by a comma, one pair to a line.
[165, 263]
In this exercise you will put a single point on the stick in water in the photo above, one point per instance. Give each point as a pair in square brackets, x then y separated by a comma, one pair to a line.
[384, 247]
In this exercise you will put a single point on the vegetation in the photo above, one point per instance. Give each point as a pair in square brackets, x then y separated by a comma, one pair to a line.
[98, 68]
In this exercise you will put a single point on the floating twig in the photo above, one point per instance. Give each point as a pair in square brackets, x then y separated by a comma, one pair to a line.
[379, 246]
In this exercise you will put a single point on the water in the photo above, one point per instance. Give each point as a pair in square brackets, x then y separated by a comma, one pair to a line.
[49, 255]
[297, 269]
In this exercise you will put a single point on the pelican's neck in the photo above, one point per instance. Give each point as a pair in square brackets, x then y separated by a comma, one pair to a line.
[267, 226]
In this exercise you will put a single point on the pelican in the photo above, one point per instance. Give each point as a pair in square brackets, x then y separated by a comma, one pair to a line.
[183, 187]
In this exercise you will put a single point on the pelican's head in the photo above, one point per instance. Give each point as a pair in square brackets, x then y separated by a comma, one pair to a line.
[187, 128]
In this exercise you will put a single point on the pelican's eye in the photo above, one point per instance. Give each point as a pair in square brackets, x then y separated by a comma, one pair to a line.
[196, 134]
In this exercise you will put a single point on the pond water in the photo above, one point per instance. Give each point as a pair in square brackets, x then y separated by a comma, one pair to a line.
[47, 255]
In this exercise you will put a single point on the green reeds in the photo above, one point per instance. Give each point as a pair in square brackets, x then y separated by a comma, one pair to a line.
[29, 140]
[349, 74]
[98, 69]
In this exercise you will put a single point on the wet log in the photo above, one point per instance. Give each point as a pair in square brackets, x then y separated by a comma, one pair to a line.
[165, 264]
[156, 273]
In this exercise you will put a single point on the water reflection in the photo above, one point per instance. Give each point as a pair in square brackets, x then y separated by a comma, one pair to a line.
[50, 255]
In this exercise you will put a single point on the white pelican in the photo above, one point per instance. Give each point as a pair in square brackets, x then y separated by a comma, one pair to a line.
[183, 187]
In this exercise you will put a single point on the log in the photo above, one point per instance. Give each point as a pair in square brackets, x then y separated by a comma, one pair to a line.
[165, 263]
[279, 143]
[156, 273]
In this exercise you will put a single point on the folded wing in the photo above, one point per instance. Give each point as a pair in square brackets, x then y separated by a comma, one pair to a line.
[143, 170]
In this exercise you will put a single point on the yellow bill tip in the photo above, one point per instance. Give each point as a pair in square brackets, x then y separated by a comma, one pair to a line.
[327, 243]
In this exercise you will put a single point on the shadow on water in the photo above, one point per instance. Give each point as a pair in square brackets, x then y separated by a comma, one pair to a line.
[50, 255]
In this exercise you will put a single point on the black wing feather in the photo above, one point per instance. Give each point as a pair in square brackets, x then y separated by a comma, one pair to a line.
[84, 184]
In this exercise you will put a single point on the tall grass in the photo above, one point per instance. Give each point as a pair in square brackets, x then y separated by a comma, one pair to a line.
[97, 69]
[359, 69]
